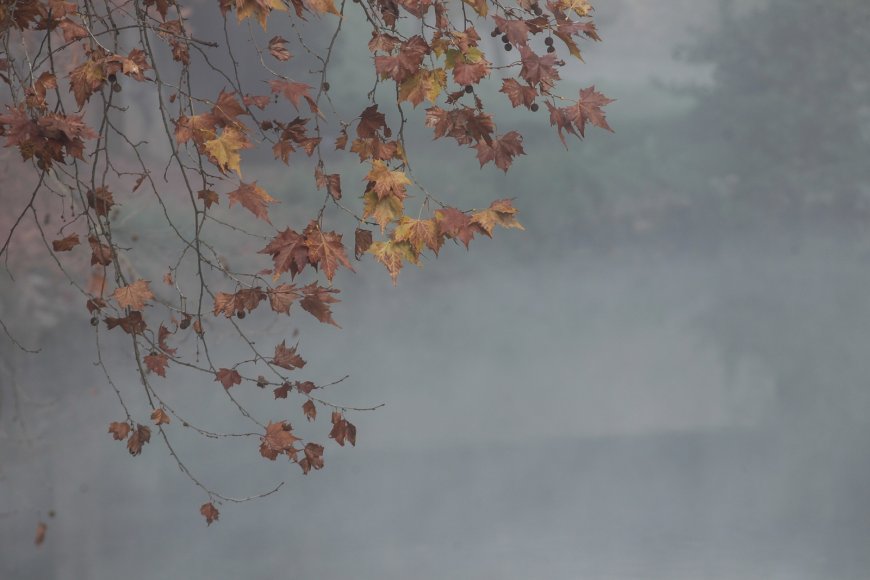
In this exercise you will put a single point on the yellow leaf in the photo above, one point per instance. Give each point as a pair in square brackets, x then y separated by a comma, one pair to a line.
[419, 233]
[392, 255]
[500, 212]
[425, 84]
[387, 182]
[384, 210]
[258, 8]
[133, 296]
[225, 149]
[323, 6]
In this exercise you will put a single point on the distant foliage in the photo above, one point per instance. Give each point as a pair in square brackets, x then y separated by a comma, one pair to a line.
[67, 66]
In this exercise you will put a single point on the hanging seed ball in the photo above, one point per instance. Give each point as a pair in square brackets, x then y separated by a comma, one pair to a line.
[240, 314]
[548, 41]
[551, 48]
[534, 107]
[185, 323]
[116, 87]
[95, 321]
[113, 78]
[504, 38]
[325, 85]
[508, 47]
[495, 32]
[469, 89]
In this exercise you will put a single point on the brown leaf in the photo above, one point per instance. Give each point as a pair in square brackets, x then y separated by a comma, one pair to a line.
[133, 296]
[287, 357]
[278, 50]
[254, 199]
[228, 377]
[156, 363]
[325, 250]
[362, 241]
[282, 391]
[160, 417]
[310, 410]
[502, 150]
[209, 512]
[119, 430]
[65, 244]
[317, 302]
[278, 439]
[100, 199]
[208, 197]
[282, 297]
[331, 181]
[141, 435]
[313, 458]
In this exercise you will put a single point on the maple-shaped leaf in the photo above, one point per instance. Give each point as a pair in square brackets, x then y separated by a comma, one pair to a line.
[383, 42]
[224, 150]
[228, 377]
[370, 122]
[160, 417]
[133, 296]
[100, 199]
[470, 73]
[85, 80]
[279, 438]
[500, 212]
[393, 255]
[419, 233]
[538, 70]
[253, 198]
[519, 94]
[209, 512]
[257, 9]
[325, 250]
[404, 64]
[517, 31]
[387, 182]
[589, 106]
[282, 391]
[227, 109]
[119, 430]
[502, 150]
[384, 210]
[580, 7]
[208, 197]
[287, 358]
[317, 302]
[65, 244]
[156, 363]
[291, 90]
[310, 410]
[141, 435]
[282, 297]
[313, 457]
[278, 50]
[425, 85]
[362, 241]
[289, 252]
[456, 225]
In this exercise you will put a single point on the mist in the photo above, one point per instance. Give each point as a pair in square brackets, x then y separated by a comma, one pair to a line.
[664, 377]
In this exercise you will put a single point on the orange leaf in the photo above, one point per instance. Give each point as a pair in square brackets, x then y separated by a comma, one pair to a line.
[133, 296]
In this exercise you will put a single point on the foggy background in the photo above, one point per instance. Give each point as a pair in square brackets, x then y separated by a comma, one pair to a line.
[664, 377]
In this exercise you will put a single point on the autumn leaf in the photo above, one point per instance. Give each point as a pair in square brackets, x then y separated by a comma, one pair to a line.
[419, 233]
[133, 296]
[290, 90]
[209, 512]
[278, 50]
[119, 430]
[310, 410]
[323, 6]
[456, 225]
[208, 197]
[224, 149]
[156, 363]
[387, 182]
[331, 181]
[257, 9]
[317, 301]
[342, 430]
[384, 210]
[65, 244]
[313, 458]
[289, 252]
[278, 439]
[282, 297]
[141, 435]
[502, 150]
[500, 212]
[425, 85]
[287, 358]
[253, 198]
[518, 94]
[100, 199]
[160, 417]
[362, 241]
[228, 377]
[325, 250]
[282, 391]
[392, 255]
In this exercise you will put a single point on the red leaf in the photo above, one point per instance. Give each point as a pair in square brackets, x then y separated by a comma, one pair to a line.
[209, 512]
[228, 377]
